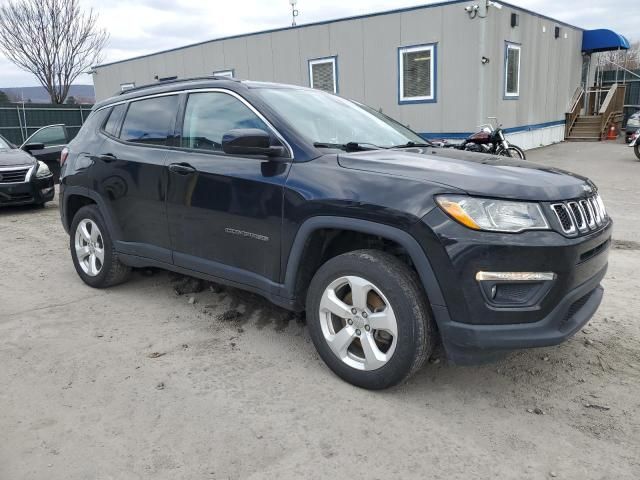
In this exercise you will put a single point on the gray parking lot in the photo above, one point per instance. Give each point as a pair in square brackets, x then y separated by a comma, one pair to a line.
[139, 381]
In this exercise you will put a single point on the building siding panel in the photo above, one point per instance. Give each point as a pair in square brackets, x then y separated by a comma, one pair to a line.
[367, 62]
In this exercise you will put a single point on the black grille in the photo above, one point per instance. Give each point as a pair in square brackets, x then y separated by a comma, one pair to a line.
[577, 214]
[580, 216]
[18, 175]
[573, 310]
[594, 251]
[564, 217]
[513, 292]
[587, 211]
[16, 198]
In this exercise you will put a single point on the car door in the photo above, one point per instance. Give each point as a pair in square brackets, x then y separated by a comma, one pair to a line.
[224, 211]
[130, 176]
[45, 144]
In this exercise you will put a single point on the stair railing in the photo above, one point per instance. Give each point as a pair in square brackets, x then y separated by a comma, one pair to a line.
[574, 110]
[611, 107]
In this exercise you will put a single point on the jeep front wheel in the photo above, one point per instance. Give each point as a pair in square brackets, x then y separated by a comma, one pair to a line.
[369, 319]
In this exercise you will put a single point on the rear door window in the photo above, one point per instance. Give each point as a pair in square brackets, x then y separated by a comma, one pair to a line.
[150, 121]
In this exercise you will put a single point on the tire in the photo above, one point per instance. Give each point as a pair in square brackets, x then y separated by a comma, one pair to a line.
[513, 151]
[379, 277]
[636, 149]
[86, 243]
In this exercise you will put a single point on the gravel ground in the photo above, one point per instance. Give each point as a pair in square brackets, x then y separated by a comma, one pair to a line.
[139, 381]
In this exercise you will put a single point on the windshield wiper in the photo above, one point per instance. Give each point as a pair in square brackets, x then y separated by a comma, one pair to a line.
[349, 146]
[413, 144]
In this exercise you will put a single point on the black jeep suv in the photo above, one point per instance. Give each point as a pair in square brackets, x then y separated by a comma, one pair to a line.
[325, 205]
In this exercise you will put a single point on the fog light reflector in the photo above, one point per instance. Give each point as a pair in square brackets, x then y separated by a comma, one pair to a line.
[515, 276]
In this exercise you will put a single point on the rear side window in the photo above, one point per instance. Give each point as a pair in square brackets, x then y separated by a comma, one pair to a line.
[112, 127]
[150, 121]
[91, 125]
[210, 115]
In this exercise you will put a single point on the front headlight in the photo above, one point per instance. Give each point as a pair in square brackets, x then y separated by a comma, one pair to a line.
[43, 170]
[493, 215]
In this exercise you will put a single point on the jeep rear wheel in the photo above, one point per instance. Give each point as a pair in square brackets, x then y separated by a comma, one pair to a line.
[369, 319]
[94, 257]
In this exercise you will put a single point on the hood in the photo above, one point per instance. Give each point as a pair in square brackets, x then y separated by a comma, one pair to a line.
[475, 173]
[15, 158]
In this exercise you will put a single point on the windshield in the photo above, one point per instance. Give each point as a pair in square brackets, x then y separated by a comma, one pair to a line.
[4, 145]
[328, 119]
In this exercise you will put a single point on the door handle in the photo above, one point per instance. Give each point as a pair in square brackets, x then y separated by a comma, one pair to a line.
[182, 168]
[108, 157]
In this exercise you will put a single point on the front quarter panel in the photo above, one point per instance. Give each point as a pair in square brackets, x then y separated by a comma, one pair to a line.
[322, 187]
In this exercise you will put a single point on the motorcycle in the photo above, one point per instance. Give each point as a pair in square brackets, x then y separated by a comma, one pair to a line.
[488, 140]
[635, 143]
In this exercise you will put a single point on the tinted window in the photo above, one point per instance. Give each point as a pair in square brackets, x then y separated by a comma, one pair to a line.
[53, 135]
[150, 121]
[210, 115]
[112, 127]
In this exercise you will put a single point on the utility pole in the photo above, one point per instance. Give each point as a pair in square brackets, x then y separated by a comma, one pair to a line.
[294, 12]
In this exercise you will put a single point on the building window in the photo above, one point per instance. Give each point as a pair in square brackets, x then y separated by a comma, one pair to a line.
[127, 86]
[512, 71]
[323, 74]
[224, 73]
[417, 82]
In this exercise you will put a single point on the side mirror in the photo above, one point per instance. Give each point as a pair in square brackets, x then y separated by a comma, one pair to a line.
[30, 147]
[250, 141]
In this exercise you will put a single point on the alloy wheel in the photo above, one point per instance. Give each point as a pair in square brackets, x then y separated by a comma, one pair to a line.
[358, 323]
[89, 247]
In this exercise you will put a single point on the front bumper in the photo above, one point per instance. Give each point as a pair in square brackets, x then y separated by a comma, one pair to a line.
[465, 343]
[35, 191]
[472, 327]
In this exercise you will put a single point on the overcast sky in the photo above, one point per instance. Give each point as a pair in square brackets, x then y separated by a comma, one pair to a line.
[144, 26]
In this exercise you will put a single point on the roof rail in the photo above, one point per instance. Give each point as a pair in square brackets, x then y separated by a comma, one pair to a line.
[177, 80]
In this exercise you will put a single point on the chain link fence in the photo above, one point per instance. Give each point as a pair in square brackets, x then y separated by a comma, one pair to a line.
[18, 121]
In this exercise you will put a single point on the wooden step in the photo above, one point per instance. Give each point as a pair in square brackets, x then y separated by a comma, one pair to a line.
[593, 126]
[589, 132]
[582, 138]
[588, 121]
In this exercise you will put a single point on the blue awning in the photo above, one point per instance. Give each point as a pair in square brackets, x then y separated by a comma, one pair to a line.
[603, 40]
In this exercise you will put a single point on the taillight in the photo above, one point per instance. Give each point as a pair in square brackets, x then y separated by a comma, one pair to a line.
[63, 155]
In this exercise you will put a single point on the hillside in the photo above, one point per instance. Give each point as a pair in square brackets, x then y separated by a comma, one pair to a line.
[84, 93]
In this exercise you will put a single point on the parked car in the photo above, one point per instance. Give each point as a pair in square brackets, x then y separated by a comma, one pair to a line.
[50, 140]
[324, 205]
[23, 179]
[633, 124]
[635, 143]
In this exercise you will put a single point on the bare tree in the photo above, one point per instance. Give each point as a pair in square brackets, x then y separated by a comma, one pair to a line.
[53, 39]
[629, 59]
